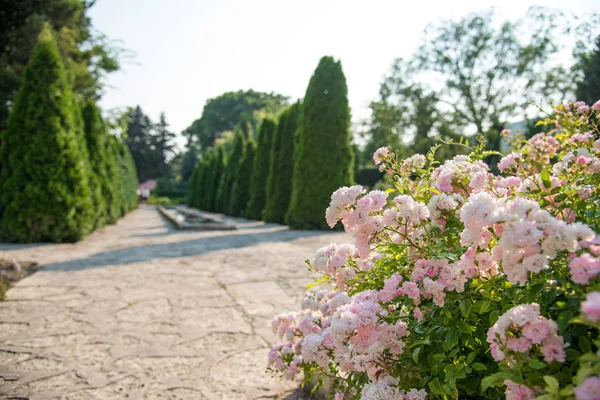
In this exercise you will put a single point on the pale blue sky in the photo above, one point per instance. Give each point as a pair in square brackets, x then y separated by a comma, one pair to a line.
[190, 50]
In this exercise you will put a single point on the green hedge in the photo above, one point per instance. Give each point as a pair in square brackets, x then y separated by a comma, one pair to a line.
[242, 186]
[279, 184]
[323, 156]
[260, 174]
[44, 183]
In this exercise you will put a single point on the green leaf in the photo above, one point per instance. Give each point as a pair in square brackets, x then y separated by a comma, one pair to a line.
[479, 367]
[471, 357]
[492, 379]
[415, 354]
[537, 364]
[435, 386]
[463, 326]
[546, 179]
[552, 384]
[390, 190]
[465, 308]
[585, 345]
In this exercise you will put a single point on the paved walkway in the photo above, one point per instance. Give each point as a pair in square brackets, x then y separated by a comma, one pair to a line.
[140, 311]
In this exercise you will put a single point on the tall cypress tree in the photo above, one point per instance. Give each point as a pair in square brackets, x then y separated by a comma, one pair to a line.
[191, 187]
[260, 174]
[204, 180]
[324, 157]
[219, 162]
[107, 207]
[228, 179]
[243, 184]
[44, 183]
[200, 184]
[279, 184]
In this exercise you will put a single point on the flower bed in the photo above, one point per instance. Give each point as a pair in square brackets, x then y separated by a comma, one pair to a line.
[462, 283]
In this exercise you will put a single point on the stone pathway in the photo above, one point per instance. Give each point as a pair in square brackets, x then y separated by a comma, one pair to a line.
[140, 311]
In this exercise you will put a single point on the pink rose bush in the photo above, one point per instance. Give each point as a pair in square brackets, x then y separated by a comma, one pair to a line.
[462, 281]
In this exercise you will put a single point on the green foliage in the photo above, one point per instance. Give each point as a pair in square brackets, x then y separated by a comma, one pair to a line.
[191, 188]
[323, 156]
[588, 89]
[149, 144]
[107, 207]
[217, 168]
[279, 184]
[224, 195]
[165, 201]
[130, 180]
[368, 177]
[225, 112]
[242, 186]
[205, 180]
[473, 60]
[260, 174]
[86, 54]
[44, 187]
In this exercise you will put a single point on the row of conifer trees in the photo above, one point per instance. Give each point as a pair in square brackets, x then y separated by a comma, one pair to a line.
[299, 159]
[63, 175]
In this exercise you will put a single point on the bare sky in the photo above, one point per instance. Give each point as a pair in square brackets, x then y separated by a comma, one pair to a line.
[190, 50]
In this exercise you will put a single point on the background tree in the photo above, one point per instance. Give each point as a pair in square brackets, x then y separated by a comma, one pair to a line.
[279, 183]
[164, 145]
[243, 185]
[218, 165]
[225, 112]
[142, 145]
[87, 55]
[189, 161]
[588, 89]
[224, 195]
[44, 183]
[475, 74]
[260, 174]
[324, 158]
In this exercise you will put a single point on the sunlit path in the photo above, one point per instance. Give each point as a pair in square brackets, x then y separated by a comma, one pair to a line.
[140, 309]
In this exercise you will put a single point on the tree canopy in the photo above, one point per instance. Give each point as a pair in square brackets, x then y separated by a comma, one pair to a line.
[227, 111]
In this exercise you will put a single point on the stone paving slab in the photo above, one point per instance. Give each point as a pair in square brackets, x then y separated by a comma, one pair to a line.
[139, 310]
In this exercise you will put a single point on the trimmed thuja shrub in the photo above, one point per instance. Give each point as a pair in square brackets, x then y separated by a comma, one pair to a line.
[226, 187]
[324, 158]
[204, 182]
[191, 187]
[459, 282]
[200, 183]
[218, 164]
[241, 188]
[260, 174]
[44, 184]
[108, 205]
[279, 184]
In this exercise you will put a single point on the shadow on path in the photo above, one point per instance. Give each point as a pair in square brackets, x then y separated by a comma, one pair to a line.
[184, 248]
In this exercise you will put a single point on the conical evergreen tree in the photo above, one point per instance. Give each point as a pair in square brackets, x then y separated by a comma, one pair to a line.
[115, 172]
[200, 184]
[107, 207]
[220, 163]
[191, 187]
[44, 183]
[324, 157]
[242, 186]
[228, 179]
[279, 184]
[260, 174]
[204, 182]
[131, 179]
